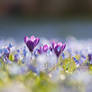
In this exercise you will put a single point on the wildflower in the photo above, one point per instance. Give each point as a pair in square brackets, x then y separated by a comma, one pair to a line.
[76, 61]
[82, 58]
[16, 57]
[31, 42]
[24, 52]
[10, 46]
[90, 58]
[58, 48]
[43, 48]
[6, 52]
[63, 56]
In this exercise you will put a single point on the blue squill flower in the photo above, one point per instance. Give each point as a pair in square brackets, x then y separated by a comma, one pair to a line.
[31, 42]
[58, 48]
[76, 61]
[6, 52]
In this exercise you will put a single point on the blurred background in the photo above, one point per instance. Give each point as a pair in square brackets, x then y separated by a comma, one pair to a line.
[45, 18]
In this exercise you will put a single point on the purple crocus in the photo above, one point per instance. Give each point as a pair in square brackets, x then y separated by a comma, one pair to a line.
[43, 48]
[90, 58]
[31, 42]
[58, 48]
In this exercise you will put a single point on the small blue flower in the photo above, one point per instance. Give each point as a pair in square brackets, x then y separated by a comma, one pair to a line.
[10, 45]
[24, 52]
[76, 61]
[18, 50]
[63, 56]
[6, 51]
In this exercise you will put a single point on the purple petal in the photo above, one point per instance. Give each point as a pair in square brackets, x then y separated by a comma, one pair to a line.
[50, 48]
[57, 50]
[59, 44]
[30, 45]
[53, 44]
[32, 38]
[36, 41]
[63, 47]
[26, 39]
[40, 50]
[45, 48]
[89, 57]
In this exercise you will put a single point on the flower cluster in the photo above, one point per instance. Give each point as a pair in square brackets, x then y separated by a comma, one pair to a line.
[45, 56]
[32, 42]
[38, 60]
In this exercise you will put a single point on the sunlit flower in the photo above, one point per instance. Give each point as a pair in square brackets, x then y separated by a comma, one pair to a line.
[43, 48]
[58, 48]
[31, 42]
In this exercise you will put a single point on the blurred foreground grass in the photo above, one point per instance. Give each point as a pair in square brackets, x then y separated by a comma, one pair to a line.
[30, 82]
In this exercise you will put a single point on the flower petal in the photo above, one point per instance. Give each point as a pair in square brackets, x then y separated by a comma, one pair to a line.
[36, 41]
[26, 39]
[45, 48]
[32, 38]
[30, 45]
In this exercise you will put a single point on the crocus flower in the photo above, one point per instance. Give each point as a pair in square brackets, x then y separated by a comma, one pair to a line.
[31, 42]
[43, 48]
[90, 58]
[58, 48]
